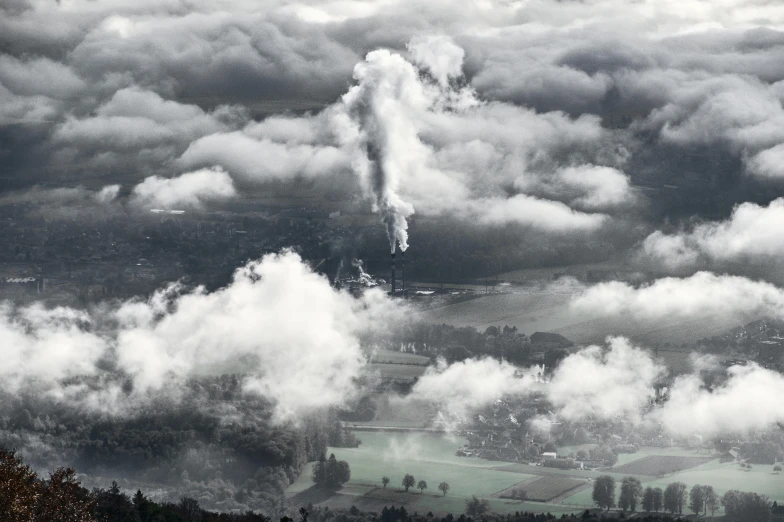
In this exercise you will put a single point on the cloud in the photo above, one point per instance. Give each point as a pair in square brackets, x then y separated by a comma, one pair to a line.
[258, 160]
[191, 189]
[741, 404]
[604, 382]
[552, 216]
[751, 233]
[611, 382]
[467, 385]
[295, 339]
[703, 295]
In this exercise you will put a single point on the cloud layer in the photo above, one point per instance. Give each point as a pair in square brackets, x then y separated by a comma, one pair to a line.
[295, 338]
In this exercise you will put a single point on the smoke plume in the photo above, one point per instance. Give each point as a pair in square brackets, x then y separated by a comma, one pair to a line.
[380, 106]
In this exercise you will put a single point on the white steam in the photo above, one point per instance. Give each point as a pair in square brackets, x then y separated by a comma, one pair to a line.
[388, 147]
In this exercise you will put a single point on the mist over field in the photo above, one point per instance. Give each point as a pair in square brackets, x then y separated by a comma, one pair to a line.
[391, 261]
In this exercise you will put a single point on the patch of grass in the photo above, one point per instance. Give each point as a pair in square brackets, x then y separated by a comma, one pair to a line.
[544, 489]
[658, 465]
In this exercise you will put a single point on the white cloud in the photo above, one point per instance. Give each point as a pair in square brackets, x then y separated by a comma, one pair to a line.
[703, 295]
[751, 233]
[742, 404]
[604, 382]
[472, 383]
[295, 338]
[191, 189]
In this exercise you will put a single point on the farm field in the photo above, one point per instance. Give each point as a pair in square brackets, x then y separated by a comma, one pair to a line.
[397, 372]
[426, 456]
[390, 357]
[431, 457]
[544, 489]
[722, 476]
[658, 465]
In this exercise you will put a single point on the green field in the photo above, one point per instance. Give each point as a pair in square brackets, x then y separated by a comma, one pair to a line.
[431, 457]
[722, 476]
[390, 357]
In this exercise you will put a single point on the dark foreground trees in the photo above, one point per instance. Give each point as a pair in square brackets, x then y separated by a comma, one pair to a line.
[631, 493]
[477, 506]
[604, 492]
[331, 473]
[740, 506]
[652, 499]
[26, 498]
[675, 497]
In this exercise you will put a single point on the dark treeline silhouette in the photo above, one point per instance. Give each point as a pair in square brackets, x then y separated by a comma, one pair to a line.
[455, 343]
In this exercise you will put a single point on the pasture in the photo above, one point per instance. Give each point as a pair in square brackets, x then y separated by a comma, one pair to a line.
[544, 489]
[658, 465]
[426, 456]
[431, 457]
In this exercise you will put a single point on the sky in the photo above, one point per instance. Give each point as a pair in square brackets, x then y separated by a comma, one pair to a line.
[657, 125]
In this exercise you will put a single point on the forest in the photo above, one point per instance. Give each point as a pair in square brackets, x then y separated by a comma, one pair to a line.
[215, 444]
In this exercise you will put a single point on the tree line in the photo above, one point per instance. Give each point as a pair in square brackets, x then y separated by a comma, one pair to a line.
[738, 506]
[26, 497]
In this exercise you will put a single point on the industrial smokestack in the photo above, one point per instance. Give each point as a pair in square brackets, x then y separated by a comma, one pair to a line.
[393, 273]
[403, 270]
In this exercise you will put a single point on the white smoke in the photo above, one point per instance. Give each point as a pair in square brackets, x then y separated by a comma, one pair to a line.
[295, 338]
[388, 148]
[364, 278]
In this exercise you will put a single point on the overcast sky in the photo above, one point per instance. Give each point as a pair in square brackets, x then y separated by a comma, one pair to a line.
[659, 120]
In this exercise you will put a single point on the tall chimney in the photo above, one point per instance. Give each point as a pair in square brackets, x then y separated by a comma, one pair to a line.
[393, 273]
[403, 270]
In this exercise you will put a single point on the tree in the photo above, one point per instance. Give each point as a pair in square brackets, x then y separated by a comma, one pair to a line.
[658, 499]
[444, 487]
[385, 481]
[476, 507]
[675, 497]
[631, 492]
[604, 492]
[114, 505]
[519, 494]
[422, 486]
[696, 499]
[331, 473]
[189, 509]
[711, 500]
[604, 454]
[408, 481]
[776, 469]
[746, 507]
[647, 499]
